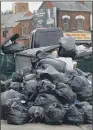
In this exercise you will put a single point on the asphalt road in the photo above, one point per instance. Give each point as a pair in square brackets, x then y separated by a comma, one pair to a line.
[5, 126]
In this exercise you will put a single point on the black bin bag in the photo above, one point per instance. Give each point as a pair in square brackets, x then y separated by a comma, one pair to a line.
[4, 85]
[17, 114]
[86, 108]
[44, 100]
[7, 104]
[11, 94]
[67, 47]
[18, 76]
[30, 87]
[54, 114]
[43, 55]
[29, 77]
[50, 73]
[82, 88]
[74, 116]
[15, 86]
[45, 86]
[64, 93]
[36, 114]
[9, 46]
[57, 64]
[88, 113]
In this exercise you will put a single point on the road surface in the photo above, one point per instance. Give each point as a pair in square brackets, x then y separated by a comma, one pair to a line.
[5, 126]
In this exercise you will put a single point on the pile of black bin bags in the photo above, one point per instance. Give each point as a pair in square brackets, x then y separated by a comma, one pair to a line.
[47, 93]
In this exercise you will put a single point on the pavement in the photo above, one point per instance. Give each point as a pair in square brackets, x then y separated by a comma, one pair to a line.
[5, 126]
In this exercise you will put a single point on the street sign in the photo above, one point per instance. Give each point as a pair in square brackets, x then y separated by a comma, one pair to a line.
[79, 35]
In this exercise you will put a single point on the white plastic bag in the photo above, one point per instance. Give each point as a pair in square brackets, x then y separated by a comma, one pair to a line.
[68, 61]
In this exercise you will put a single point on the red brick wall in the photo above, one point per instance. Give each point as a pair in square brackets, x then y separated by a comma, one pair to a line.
[24, 41]
[72, 21]
[21, 7]
[47, 4]
[17, 29]
[28, 13]
[10, 32]
[28, 26]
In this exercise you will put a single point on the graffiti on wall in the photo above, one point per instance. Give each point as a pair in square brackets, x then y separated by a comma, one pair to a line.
[44, 18]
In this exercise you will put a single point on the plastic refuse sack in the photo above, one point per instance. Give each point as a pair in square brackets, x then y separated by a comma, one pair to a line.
[18, 76]
[15, 86]
[82, 88]
[44, 100]
[5, 84]
[76, 72]
[29, 77]
[74, 116]
[68, 61]
[42, 55]
[86, 108]
[67, 48]
[7, 104]
[36, 114]
[11, 94]
[88, 113]
[85, 54]
[50, 73]
[57, 64]
[2, 86]
[54, 114]
[81, 73]
[45, 86]
[13, 48]
[64, 93]
[81, 48]
[89, 77]
[17, 114]
[25, 71]
[30, 87]
[11, 38]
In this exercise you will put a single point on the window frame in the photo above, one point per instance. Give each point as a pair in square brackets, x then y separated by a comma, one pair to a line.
[79, 27]
[66, 29]
[22, 29]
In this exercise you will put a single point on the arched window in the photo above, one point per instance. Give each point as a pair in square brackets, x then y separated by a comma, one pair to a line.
[80, 22]
[66, 22]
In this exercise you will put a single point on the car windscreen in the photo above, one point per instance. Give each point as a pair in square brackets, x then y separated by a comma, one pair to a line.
[47, 38]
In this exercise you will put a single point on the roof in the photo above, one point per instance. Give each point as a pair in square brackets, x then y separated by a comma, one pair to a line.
[89, 4]
[11, 20]
[71, 6]
[25, 18]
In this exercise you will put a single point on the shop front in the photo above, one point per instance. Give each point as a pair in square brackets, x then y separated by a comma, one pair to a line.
[80, 37]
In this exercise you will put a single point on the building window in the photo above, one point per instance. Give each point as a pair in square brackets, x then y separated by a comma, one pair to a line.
[23, 30]
[66, 22]
[80, 22]
[5, 33]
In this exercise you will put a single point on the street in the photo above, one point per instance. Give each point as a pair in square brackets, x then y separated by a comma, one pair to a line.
[5, 126]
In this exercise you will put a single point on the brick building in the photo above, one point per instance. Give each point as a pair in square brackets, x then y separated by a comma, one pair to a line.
[20, 21]
[72, 17]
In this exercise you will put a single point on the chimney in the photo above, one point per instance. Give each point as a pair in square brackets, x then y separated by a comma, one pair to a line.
[82, 2]
[20, 7]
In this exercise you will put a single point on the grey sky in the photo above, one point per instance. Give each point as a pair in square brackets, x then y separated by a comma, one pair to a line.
[8, 6]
